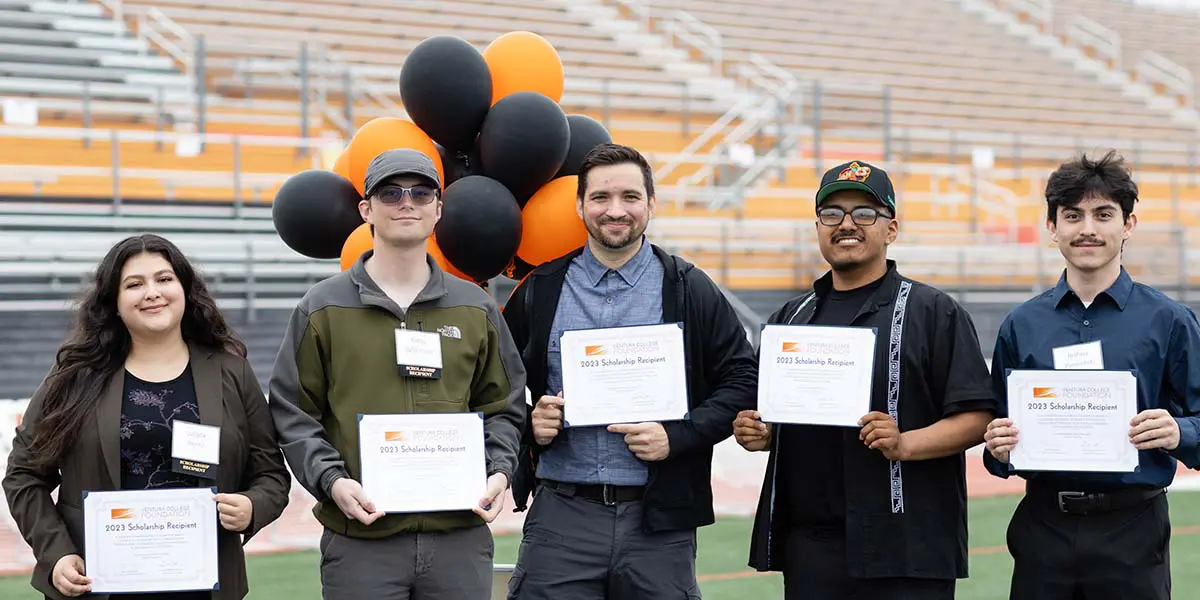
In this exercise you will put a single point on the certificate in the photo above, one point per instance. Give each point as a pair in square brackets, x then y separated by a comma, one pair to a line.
[422, 463]
[623, 375]
[151, 540]
[815, 375]
[1073, 420]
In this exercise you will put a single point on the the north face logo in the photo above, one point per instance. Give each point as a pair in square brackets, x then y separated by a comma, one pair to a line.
[450, 331]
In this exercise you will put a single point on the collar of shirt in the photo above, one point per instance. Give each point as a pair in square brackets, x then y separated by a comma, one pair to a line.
[631, 271]
[1119, 291]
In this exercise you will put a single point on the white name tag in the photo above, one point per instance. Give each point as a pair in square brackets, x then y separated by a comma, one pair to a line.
[1079, 357]
[195, 449]
[419, 353]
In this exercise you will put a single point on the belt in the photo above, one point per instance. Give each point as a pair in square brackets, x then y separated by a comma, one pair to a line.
[604, 493]
[1082, 503]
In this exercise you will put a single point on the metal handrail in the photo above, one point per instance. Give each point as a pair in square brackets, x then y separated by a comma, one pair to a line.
[1089, 33]
[1168, 73]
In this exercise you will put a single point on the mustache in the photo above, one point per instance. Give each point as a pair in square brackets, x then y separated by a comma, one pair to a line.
[609, 220]
[1087, 241]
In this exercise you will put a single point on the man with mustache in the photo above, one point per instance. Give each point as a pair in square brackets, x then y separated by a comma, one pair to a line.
[616, 508]
[876, 511]
[1100, 535]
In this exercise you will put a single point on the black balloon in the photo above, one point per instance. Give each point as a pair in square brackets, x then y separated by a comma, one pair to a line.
[586, 133]
[523, 142]
[460, 163]
[315, 211]
[480, 228]
[446, 88]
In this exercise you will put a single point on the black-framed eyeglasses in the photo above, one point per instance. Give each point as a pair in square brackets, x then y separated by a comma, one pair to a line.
[832, 216]
[422, 195]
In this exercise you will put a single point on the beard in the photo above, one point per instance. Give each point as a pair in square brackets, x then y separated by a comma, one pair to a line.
[615, 241]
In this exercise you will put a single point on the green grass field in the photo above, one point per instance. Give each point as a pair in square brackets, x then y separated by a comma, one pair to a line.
[722, 560]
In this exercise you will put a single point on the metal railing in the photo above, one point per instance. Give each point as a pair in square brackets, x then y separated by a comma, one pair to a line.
[1159, 69]
[694, 34]
[1087, 33]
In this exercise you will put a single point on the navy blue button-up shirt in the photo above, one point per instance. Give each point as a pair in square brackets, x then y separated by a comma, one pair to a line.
[1140, 329]
[595, 297]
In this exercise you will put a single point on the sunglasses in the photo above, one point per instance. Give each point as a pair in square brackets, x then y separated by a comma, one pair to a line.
[832, 216]
[422, 195]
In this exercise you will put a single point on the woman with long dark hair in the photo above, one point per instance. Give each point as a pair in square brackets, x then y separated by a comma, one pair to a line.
[148, 349]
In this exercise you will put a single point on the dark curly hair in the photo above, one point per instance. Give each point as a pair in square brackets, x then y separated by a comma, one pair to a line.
[1083, 178]
[99, 343]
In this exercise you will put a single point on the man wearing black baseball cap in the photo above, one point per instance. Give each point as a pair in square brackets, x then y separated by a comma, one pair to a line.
[879, 509]
[342, 357]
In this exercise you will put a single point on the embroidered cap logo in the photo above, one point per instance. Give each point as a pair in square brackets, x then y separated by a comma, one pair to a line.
[855, 172]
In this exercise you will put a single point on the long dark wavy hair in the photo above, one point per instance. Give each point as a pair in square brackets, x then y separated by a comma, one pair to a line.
[99, 343]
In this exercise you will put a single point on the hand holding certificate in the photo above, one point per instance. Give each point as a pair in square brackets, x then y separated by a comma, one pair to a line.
[815, 375]
[422, 462]
[151, 540]
[624, 375]
[1073, 420]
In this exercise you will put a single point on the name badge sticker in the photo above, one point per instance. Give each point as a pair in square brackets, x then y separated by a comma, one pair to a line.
[195, 449]
[1086, 356]
[419, 353]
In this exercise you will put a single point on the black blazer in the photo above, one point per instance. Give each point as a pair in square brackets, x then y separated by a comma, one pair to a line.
[228, 396]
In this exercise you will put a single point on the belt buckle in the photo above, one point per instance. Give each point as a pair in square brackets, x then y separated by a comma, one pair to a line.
[606, 495]
[1063, 495]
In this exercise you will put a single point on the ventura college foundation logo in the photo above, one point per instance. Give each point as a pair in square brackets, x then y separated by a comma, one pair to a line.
[594, 351]
[792, 347]
[1044, 393]
[394, 436]
[117, 514]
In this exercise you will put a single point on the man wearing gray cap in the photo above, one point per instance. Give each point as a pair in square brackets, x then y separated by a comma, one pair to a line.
[340, 359]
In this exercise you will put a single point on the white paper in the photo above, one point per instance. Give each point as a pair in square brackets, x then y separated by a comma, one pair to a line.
[1084, 356]
[193, 441]
[623, 375]
[419, 348]
[423, 463]
[1073, 420]
[151, 540]
[815, 375]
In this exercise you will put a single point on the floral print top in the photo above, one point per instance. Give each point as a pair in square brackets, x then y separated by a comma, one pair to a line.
[146, 415]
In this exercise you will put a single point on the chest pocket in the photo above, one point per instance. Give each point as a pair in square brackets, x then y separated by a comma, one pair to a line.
[452, 391]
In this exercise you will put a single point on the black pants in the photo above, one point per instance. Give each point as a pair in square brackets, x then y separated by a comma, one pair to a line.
[816, 570]
[580, 549]
[1121, 554]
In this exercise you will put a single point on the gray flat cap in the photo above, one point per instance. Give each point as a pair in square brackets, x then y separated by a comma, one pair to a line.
[401, 161]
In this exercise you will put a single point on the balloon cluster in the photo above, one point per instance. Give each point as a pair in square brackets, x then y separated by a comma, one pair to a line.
[508, 155]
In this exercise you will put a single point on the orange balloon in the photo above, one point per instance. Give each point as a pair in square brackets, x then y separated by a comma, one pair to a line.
[341, 166]
[521, 61]
[382, 134]
[436, 252]
[360, 241]
[550, 226]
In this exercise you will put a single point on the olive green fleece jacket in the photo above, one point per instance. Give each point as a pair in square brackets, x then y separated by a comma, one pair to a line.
[338, 360]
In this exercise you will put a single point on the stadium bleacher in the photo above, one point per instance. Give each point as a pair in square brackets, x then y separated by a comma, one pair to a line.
[185, 116]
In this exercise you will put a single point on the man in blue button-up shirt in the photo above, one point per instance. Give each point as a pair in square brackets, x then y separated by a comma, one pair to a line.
[1100, 535]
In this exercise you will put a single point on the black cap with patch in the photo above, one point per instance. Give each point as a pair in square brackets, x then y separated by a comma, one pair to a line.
[858, 175]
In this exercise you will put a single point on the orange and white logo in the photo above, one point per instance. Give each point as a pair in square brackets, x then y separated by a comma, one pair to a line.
[791, 347]
[1043, 393]
[121, 513]
[855, 172]
[594, 351]
[394, 436]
